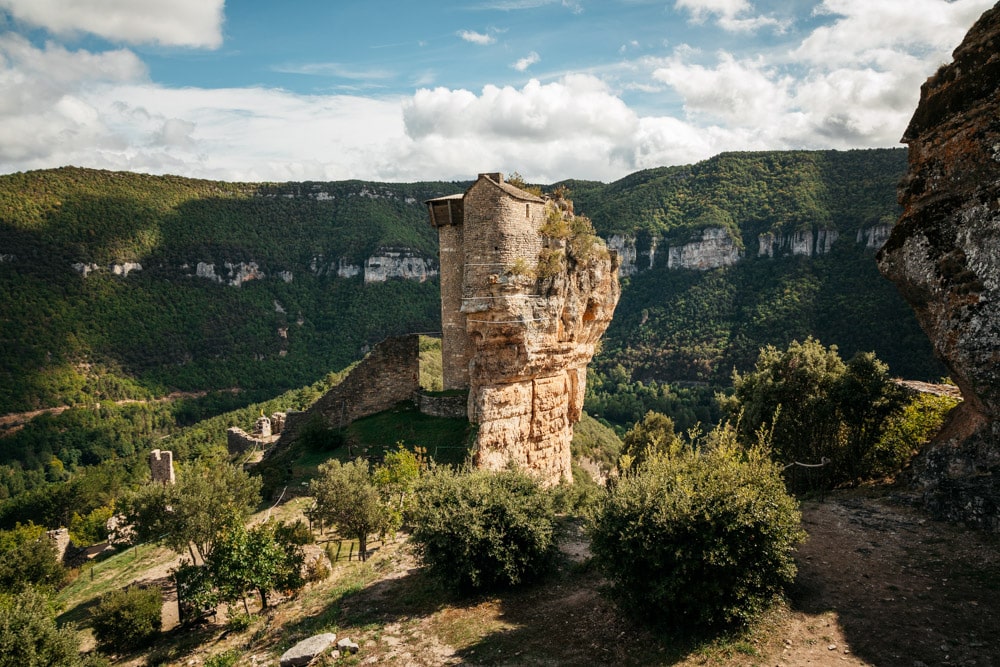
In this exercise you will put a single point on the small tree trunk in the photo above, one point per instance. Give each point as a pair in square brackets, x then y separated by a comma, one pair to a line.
[246, 607]
[263, 598]
[194, 561]
[363, 547]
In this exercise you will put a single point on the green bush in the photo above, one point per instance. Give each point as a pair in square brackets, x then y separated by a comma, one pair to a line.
[128, 619]
[224, 659]
[483, 530]
[30, 637]
[700, 539]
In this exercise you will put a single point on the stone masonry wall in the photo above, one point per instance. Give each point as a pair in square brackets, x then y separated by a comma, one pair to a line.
[449, 407]
[454, 337]
[388, 375]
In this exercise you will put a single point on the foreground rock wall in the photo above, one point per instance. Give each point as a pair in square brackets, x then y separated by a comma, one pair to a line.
[944, 255]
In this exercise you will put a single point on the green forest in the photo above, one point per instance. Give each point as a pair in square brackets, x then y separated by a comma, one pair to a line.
[116, 350]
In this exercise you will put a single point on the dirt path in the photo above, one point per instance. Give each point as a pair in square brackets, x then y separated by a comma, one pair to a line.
[14, 421]
[896, 587]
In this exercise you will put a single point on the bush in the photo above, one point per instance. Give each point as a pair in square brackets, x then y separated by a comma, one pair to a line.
[698, 539]
[128, 619]
[483, 530]
[30, 637]
[224, 659]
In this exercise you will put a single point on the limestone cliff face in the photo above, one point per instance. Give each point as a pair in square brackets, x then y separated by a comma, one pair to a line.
[532, 340]
[716, 248]
[944, 255]
[398, 263]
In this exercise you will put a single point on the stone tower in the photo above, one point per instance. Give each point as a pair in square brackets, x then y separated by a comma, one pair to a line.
[521, 313]
[161, 466]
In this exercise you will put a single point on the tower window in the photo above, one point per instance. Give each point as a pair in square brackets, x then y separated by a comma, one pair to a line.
[527, 210]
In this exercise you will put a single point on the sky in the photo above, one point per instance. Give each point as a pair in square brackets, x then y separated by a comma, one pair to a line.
[402, 91]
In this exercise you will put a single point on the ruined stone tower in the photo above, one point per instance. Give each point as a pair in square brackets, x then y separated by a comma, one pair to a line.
[523, 304]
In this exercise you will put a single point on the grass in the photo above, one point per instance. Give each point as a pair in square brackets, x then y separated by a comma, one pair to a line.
[99, 577]
[446, 440]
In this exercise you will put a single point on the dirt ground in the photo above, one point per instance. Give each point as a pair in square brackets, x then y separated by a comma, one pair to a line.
[897, 588]
[879, 584]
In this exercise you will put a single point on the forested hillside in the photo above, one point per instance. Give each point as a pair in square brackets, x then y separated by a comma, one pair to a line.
[248, 290]
[73, 331]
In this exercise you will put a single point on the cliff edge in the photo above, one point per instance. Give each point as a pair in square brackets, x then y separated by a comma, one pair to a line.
[944, 256]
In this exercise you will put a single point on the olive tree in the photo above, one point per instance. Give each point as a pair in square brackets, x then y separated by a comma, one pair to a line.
[347, 497]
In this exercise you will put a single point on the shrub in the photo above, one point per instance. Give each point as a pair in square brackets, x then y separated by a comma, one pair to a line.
[128, 619]
[906, 432]
[483, 530]
[30, 637]
[698, 539]
[224, 659]
[237, 622]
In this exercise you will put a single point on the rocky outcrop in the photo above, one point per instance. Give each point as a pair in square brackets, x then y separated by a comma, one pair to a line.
[943, 256]
[236, 273]
[874, 237]
[803, 242]
[527, 291]
[125, 268]
[716, 248]
[398, 263]
[624, 246]
[533, 340]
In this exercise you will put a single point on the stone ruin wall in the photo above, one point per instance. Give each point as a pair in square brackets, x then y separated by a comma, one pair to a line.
[454, 337]
[388, 375]
[161, 466]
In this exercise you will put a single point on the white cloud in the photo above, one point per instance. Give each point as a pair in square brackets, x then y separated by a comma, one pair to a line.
[481, 38]
[732, 15]
[526, 62]
[189, 23]
[339, 70]
[865, 29]
[734, 92]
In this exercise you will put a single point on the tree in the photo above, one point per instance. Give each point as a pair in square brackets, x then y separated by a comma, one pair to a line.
[819, 407]
[866, 397]
[654, 435]
[28, 558]
[30, 637]
[346, 497]
[484, 530]
[208, 499]
[798, 381]
[262, 559]
[398, 474]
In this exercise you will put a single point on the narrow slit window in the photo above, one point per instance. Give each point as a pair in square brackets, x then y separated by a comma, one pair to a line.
[527, 210]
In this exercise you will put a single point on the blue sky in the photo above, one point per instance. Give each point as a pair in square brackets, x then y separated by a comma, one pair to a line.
[403, 91]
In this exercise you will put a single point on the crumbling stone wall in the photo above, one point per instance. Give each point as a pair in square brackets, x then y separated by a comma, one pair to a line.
[389, 375]
[451, 407]
[161, 466]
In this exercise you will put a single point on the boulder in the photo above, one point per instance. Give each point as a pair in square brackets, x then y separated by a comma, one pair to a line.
[306, 650]
[943, 256]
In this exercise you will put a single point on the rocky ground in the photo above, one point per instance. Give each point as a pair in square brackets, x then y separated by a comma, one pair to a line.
[879, 584]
